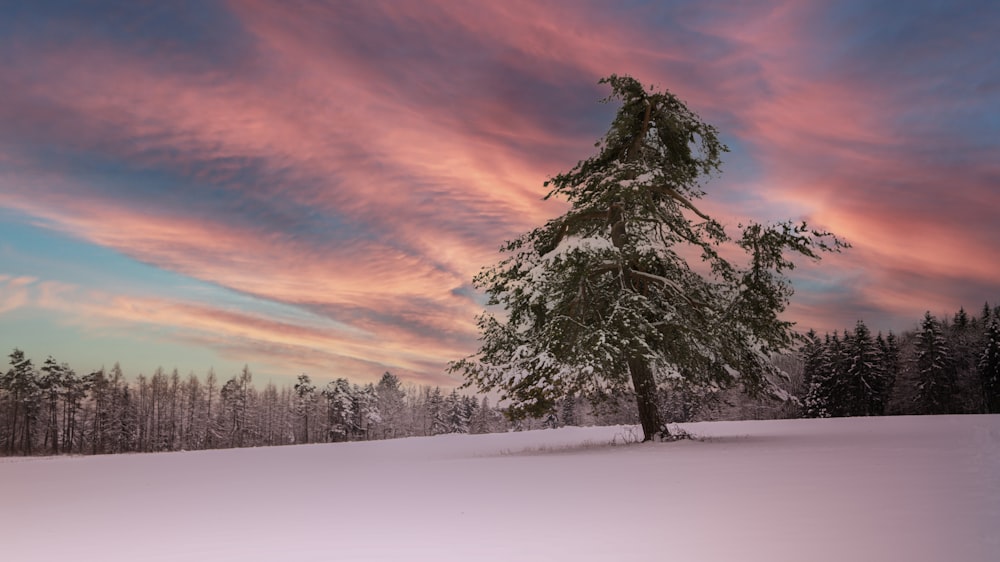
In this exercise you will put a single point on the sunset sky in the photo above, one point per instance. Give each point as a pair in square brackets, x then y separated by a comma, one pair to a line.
[309, 187]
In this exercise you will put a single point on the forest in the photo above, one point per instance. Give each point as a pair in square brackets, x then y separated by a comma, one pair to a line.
[945, 366]
[54, 410]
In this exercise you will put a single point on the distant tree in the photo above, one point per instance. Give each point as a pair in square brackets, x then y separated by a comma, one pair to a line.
[269, 416]
[305, 400]
[236, 395]
[50, 384]
[963, 338]
[365, 408]
[131, 421]
[285, 416]
[825, 396]
[459, 411]
[935, 369]
[173, 411]
[211, 427]
[568, 410]
[142, 403]
[74, 392]
[815, 400]
[113, 437]
[867, 382]
[339, 410]
[436, 411]
[846, 376]
[683, 398]
[961, 321]
[391, 401]
[989, 368]
[604, 299]
[194, 396]
[159, 410]
[452, 417]
[99, 415]
[485, 419]
[889, 348]
[21, 386]
[230, 397]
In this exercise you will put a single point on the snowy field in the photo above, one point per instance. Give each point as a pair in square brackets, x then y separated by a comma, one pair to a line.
[875, 489]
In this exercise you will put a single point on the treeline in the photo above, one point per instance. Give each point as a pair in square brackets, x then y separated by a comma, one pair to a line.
[54, 410]
[947, 366]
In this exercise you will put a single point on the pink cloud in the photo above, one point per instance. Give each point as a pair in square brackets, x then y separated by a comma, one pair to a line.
[14, 292]
[201, 119]
[281, 347]
[830, 144]
[436, 163]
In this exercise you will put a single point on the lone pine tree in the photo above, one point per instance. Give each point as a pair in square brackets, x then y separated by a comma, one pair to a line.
[605, 297]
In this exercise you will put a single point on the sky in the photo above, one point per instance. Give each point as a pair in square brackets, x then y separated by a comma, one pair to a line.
[309, 187]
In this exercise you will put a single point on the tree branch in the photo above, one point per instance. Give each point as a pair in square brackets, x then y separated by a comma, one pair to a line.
[667, 283]
[572, 220]
[672, 193]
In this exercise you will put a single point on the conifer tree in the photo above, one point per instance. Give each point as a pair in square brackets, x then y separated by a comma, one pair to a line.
[339, 409]
[935, 369]
[436, 411]
[814, 377]
[456, 414]
[810, 352]
[20, 384]
[829, 390]
[305, 400]
[989, 368]
[889, 346]
[603, 298]
[483, 421]
[365, 409]
[960, 340]
[231, 405]
[390, 404]
[866, 380]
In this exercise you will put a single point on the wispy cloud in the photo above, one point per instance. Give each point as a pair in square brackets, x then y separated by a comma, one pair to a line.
[278, 344]
[360, 161]
[14, 292]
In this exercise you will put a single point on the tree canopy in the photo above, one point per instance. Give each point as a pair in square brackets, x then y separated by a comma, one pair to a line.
[636, 285]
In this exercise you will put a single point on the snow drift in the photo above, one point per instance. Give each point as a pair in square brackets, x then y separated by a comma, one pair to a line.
[858, 489]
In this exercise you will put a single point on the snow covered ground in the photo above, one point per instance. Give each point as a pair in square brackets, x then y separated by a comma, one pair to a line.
[873, 489]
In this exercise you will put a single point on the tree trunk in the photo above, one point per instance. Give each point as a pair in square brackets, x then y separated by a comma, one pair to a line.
[645, 397]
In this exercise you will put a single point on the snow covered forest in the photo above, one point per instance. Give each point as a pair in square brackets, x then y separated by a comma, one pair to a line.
[54, 410]
[946, 366]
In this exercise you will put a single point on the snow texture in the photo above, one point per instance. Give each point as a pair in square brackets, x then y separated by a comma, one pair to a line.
[860, 489]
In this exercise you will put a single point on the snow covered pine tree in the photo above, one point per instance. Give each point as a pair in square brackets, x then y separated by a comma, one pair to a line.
[604, 296]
